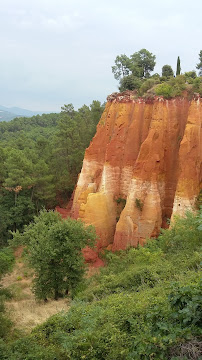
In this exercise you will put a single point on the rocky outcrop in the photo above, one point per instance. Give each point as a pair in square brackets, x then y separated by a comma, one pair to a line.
[142, 167]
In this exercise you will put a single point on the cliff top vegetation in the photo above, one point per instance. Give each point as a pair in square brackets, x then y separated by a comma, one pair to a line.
[134, 73]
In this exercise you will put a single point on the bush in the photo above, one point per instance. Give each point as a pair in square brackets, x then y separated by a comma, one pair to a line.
[197, 85]
[178, 85]
[190, 76]
[146, 85]
[139, 204]
[164, 90]
[184, 234]
[129, 83]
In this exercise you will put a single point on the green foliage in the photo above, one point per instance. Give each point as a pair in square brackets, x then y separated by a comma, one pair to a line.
[74, 132]
[190, 75]
[199, 65]
[142, 63]
[198, 202]
[178, 85]
[54, 251]
[5, 323]
[186, 303]
[145, 304]
[147, 85]
[197, 85]
[172, 88]
[167, 71]
[130, 71]
[164, 90]
[178, 70]
[16, 210]
[177, 239]
[6, 263]
[40, 158]
[134, 73]
[129, 82]
[121, 67]
[139, 204]
[27, 349]
[121, 201]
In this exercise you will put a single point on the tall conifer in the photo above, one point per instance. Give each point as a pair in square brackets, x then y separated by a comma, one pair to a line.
[178, 66]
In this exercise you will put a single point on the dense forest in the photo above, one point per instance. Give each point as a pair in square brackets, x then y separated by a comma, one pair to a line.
[40, 159]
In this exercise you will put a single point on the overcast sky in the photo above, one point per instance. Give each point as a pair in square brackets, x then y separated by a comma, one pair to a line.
[55, 52]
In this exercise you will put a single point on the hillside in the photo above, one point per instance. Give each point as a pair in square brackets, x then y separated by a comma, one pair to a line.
[145, 304]
[6, 115]
[9, 113]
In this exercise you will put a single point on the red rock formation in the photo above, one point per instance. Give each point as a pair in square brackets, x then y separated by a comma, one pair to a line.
[147, 152]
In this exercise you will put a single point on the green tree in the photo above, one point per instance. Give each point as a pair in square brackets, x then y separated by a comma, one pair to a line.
[129, 82]
[19, 169]
[142, 63]
[68, 152]
[199, 65]
[178, 70]
[121, 67]
[43, 188]
[129, 71]
[55, 252]
[167, 71]
[96, 111]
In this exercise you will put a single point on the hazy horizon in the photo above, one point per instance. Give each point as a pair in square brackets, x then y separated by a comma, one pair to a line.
[59, 52]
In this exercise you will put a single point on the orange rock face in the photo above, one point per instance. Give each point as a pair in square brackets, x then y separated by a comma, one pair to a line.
[142, 166]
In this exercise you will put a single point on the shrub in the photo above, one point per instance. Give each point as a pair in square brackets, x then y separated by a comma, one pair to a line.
[197, 85]
[121, 201]
[139, 204]
[129, 82]
[165, 90]
[147, 84]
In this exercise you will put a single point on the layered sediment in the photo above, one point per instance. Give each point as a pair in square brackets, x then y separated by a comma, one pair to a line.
[142, 167]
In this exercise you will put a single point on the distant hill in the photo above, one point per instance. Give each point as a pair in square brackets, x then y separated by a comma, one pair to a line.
[7, 114]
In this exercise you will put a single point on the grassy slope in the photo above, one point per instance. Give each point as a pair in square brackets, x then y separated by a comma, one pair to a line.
[24, 310]
[146, 304]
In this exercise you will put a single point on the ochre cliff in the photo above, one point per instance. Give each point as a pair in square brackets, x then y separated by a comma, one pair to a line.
[142, 167]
